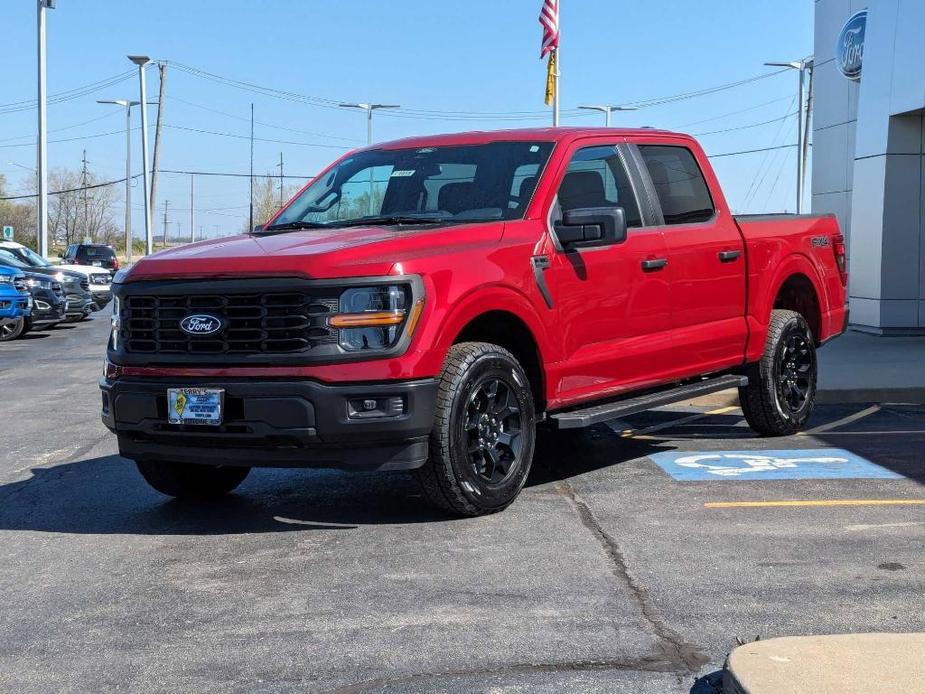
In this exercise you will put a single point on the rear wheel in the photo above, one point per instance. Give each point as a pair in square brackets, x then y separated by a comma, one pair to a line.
[11, 328]
[481, 447]
[781, 390]
[192, 481]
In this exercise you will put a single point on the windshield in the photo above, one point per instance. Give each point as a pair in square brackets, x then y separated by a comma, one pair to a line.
[29, 256]
[469, 183]
[10, 259]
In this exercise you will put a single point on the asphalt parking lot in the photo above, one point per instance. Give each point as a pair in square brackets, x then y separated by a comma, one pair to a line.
[607, 575]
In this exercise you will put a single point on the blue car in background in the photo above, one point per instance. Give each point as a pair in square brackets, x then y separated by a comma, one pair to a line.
[15, 303]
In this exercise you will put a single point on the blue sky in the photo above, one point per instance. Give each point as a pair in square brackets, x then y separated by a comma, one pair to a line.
[475, 56]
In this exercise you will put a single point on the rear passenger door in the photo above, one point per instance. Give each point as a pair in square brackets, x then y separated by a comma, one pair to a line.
[706, 254]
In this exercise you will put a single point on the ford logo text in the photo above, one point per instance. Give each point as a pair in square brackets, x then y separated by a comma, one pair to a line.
[201, 324]
[849, 50]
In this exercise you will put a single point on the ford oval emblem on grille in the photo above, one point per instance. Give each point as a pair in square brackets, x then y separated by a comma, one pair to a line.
[201, 324]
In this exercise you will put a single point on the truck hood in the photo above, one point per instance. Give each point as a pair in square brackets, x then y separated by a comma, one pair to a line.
[315, 253]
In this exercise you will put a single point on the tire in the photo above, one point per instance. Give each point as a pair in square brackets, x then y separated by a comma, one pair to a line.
[12, 329]
[192, 481]
[481, 447]
[781, 390]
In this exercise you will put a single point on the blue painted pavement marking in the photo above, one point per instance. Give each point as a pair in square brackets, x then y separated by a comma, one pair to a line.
[817, 464]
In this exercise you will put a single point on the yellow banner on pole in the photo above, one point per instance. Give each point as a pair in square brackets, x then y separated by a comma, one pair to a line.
[551, 78]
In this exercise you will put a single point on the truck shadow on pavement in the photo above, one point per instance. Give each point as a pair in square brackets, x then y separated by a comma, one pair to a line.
[106, 495]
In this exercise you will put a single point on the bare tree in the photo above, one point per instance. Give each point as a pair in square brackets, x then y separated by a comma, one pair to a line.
[77, 213]
[266, 198]
[19, 214]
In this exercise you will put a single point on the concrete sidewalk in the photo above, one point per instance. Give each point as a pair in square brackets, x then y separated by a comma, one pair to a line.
[866, 368]
[841, 664]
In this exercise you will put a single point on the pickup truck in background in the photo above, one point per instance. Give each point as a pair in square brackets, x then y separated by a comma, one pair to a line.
[426, 304]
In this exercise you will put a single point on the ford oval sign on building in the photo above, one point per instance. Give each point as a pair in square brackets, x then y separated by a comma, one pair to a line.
[849, 51]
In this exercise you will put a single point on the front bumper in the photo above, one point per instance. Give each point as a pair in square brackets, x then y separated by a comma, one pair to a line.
[47, 308]
[275, 423]
[79, 304]
[14, 305]
[102, 295]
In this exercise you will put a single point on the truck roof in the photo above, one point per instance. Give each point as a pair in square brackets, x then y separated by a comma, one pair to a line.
[560, 134]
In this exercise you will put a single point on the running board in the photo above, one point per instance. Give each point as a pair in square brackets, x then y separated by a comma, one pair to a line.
[576, 419]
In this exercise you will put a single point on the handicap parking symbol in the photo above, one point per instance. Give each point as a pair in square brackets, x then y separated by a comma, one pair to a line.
[818, 463]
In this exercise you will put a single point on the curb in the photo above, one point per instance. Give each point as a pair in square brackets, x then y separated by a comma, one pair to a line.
[843, 396]
[836, 664]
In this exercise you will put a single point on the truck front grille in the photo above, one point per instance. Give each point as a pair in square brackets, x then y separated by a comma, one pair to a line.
[284, 322]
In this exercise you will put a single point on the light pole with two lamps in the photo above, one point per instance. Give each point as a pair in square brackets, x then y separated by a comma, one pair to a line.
[607, 110]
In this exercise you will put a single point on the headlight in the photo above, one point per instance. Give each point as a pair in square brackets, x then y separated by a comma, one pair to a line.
[372, 318]
[60, 277]
[6, 279]
[35, 282]
[116, 322]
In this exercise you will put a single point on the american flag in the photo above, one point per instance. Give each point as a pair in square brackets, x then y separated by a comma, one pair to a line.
[549, 18]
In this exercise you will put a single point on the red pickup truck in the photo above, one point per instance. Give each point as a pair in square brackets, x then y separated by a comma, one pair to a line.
[426, 304]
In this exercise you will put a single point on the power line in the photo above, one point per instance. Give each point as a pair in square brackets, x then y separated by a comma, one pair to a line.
[749, 151]
[733, 113]
[70, 94]
[746, 127]
[66, 127]
[265, 124]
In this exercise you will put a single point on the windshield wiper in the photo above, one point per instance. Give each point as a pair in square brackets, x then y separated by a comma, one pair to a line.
[385, 220]
[292, 226]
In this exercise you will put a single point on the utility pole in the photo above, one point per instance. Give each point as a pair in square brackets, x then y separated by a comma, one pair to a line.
[83, 185]
[166, 203]
[162, 68]
[192, 207]
[280, 179]
[806, 118]
[251, 222]
[41, 231]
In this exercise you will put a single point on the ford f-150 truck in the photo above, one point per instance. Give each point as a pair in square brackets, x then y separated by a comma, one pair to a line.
[426, 304]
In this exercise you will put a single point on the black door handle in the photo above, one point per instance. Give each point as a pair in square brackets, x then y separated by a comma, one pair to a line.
[654, 263]
[728, 256]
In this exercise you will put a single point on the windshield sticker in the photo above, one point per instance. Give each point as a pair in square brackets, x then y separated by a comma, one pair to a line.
[396, 174]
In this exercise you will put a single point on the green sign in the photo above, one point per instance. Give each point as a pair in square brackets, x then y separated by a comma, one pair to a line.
[7, 233]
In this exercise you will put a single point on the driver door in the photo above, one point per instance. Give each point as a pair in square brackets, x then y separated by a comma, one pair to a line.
[612, 300]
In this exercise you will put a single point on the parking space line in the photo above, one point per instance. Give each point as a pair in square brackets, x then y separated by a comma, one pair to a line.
[841, 422]
[632, 433]
[816, 502]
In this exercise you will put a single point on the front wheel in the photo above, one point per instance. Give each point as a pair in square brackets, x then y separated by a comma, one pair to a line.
[481, 447]
[781, 390]
[11, 328]
[192, 481]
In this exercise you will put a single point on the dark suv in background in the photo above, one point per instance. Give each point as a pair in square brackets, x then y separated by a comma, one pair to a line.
[93, 254]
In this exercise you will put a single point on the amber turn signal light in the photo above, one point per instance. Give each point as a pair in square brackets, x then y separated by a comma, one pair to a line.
[372, 319]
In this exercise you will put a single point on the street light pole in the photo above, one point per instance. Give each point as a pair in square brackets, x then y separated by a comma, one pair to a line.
[142, 61]
[369, 108]
[607, 111]
[801, 66]
[41, 232]
[127, 105]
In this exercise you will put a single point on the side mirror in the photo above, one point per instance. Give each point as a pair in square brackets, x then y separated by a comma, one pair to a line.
[259, 227]
[592, 226]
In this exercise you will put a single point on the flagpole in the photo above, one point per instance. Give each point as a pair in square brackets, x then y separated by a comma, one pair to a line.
[555, 96]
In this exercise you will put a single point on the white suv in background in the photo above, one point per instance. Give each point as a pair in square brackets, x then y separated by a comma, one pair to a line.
[100, 279]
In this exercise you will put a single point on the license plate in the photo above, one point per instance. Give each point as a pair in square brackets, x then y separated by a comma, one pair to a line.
[195, 405]
[97, 263]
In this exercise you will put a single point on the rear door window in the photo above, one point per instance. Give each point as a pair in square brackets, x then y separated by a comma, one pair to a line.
[679, 183]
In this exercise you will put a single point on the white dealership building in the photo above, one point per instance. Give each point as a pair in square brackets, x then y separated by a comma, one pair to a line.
[869, 153]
